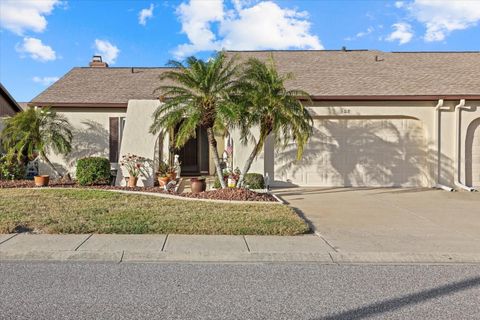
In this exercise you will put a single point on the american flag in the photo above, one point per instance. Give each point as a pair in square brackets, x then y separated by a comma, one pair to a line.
[229, 148]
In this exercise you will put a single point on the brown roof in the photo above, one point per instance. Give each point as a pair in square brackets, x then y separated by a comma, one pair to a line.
[323, 74]
[103, 86]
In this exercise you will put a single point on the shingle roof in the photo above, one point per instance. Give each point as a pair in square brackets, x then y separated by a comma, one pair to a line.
[102, 86]
[320, 73]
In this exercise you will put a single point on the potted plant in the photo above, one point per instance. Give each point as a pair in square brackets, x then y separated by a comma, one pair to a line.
[135, 166]
[162, 174]
[41, 180]
[172, 173]
[198, 184]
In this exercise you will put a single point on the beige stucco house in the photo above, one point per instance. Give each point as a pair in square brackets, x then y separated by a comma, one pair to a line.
[381, 119]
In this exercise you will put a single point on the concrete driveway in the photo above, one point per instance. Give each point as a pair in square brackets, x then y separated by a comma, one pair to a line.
[391, 220]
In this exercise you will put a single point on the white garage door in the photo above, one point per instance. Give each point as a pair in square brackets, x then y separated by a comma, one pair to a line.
[359, 152]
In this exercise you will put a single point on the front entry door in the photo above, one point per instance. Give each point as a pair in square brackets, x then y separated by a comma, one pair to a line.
[194, 154]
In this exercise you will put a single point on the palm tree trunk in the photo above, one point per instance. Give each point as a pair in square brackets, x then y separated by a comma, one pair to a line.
[249, 162]
[50, 164]
[216, 159]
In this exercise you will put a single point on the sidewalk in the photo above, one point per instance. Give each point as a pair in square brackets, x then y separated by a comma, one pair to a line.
[201, 248]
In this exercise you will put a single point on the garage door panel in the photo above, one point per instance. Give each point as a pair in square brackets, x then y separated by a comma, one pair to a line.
[360, 152]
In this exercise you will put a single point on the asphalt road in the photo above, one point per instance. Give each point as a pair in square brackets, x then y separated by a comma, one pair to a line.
[237, 291]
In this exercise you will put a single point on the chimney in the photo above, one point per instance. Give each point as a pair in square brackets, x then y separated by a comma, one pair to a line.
[97, 62]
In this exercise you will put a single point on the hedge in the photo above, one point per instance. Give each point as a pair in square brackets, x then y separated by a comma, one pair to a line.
[93, 170]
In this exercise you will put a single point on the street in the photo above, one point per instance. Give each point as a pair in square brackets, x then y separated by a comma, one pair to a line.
[49, 290]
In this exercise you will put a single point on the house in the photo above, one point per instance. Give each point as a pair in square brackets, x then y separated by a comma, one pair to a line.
[8, 105]
[381, 119]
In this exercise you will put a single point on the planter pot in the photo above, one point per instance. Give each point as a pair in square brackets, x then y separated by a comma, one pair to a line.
[198, 185]
[162, 181]
[231, 183]
[41, 181]
[132, 182]
[172, 176]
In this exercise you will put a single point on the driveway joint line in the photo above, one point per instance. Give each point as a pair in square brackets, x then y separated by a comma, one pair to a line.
[89, 236]
[14, 235]
[331, 258]
[246, 243]
[324, 240]
[164, 243]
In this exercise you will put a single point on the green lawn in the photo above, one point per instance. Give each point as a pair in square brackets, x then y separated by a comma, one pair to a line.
[95, 211]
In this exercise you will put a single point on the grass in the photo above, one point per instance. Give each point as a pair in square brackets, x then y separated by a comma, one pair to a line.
[95, 211]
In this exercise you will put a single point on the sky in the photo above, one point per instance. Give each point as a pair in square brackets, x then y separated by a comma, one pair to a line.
[41, 40]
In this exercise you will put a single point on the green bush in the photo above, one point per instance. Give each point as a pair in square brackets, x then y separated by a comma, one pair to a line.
[216, 183]
[251, 181]
[254, 181]
[11, 169]
[93, 170]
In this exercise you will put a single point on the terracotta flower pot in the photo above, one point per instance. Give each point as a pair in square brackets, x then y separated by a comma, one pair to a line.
[162, 181]
[198, 185]
[41, 181]
[132, 182]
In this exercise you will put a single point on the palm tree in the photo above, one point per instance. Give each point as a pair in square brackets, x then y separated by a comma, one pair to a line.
[276, 111]
[199, 96]
[35, 132]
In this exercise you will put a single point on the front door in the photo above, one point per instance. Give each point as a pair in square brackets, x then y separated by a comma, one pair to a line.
[194, 154]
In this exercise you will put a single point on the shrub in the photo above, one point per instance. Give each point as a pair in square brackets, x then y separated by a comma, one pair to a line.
[11, 169]
[93, 170]
[254, 181]
[251, 181]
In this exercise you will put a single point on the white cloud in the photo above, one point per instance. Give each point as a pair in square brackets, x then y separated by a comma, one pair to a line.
[365, 33]
[399, 4]
[361, 34]
[107, 50]
[402, 33]
[442, 17]
[46, 81]
[36, 49]
[19, 16]
[145, 14]
[264, 25]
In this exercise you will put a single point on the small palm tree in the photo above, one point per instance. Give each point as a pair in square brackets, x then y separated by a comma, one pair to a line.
[35, 132]
[199, 96]
[267, 105]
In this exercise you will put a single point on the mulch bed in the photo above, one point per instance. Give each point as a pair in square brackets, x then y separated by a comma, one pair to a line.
[221, 194]
[231, 194]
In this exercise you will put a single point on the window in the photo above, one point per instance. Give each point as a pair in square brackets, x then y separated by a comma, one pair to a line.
[115, 140]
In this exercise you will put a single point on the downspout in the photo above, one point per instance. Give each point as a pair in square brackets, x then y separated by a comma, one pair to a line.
[438, 125]
[458, 142]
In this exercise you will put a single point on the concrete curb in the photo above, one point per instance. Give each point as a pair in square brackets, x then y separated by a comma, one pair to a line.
[115, 256]
[403, 257]
[339, 258]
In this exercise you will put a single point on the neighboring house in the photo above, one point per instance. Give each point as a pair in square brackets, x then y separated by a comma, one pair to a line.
[8, 105]
[381, 118]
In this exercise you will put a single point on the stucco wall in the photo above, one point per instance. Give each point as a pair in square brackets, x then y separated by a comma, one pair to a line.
[90, 135]
[138, 140]
[423, 111]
